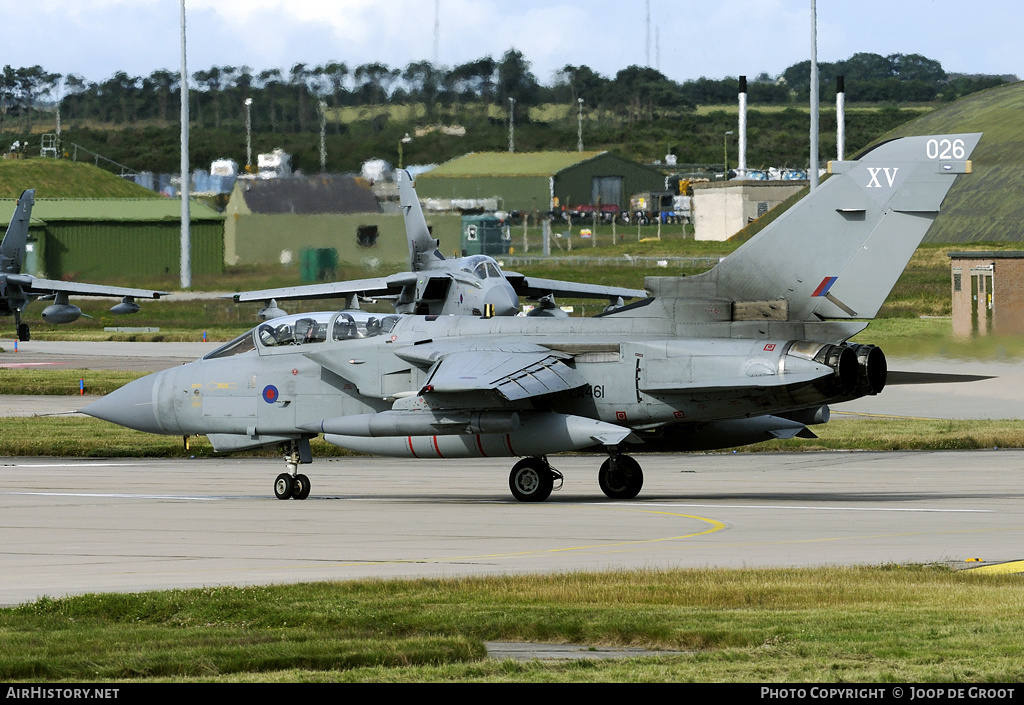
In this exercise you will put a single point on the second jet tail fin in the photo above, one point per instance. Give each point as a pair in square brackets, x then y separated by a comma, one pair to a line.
[12, 249]
[423, 248]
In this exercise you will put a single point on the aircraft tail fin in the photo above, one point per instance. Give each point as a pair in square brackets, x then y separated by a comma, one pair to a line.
[423, 248]
[12, 249]
[838, 252]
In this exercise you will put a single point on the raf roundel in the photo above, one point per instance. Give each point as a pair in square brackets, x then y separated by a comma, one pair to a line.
[270, 394]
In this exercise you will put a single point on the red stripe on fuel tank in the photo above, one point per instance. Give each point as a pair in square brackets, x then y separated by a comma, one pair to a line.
[411, 449]
[437, 448]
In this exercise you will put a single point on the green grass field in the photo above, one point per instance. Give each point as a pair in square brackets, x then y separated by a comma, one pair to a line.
[866, 625]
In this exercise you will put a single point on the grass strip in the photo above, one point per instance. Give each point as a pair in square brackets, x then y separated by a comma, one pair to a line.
[868, 624]
[72, 436]
[60, 382]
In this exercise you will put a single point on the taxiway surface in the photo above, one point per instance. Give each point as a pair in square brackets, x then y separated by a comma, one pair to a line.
[75, 526]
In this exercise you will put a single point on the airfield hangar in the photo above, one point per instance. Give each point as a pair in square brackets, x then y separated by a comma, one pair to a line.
[276, 220]
[535, 182]
[102, 238]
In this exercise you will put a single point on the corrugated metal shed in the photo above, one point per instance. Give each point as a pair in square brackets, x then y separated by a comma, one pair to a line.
[97, 239]
[539, 180]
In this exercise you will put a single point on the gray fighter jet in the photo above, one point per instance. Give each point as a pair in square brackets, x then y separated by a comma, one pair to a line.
[434, 285]
[18, 290]
[754, 349]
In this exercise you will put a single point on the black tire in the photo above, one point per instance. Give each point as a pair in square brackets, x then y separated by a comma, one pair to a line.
[283, 486]
[624, 482]
[531, 480]
[300, 487]
[24, 334]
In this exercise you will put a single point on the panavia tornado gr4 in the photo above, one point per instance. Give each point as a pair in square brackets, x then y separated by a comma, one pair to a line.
[754, 349]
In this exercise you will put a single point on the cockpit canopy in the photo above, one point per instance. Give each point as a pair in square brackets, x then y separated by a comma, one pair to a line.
[308, 329]
[482, 267]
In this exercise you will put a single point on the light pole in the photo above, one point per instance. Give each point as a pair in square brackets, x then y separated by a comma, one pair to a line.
[401, 148]
[323, 137]
[511, 125]
[186, 216]
[725, 155]
[248, 135]
[813, 172]
[579, 127]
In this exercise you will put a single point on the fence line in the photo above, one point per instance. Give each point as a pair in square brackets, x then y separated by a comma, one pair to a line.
[645, 262]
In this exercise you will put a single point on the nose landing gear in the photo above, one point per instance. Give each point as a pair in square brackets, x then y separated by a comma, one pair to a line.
[292, 484]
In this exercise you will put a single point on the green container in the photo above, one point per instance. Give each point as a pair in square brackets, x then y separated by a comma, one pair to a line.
[485, 235]
[318, 264]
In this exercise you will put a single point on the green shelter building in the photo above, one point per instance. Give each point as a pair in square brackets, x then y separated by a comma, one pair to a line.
[538, 181]
[278, 220]
[95, 239]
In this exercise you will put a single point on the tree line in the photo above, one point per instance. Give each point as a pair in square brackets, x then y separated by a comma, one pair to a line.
[292, 101]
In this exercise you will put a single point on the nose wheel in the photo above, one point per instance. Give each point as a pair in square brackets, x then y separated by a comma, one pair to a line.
[292, 484]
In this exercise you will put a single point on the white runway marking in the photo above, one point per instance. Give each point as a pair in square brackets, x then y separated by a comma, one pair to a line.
[98, 495]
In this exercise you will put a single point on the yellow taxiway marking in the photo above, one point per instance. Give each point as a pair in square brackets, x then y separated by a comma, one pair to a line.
[715, 526]
[1001, 568]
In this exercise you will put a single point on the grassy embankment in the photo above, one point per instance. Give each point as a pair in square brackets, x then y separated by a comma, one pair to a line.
[888, 624]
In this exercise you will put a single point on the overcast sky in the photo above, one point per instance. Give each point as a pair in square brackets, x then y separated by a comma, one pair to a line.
[96, 38]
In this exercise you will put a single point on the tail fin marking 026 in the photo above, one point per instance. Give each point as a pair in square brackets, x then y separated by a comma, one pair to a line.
[838, 253]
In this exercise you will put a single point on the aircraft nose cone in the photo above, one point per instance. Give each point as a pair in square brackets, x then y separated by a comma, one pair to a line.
[504, 300]
[133, 405]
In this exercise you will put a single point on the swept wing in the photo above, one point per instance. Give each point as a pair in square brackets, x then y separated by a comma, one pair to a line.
[536, 288]
[34, 286]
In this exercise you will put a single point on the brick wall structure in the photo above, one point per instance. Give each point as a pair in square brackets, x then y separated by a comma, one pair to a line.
[988, 293]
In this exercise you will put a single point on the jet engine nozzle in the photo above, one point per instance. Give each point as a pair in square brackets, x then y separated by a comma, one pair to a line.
[843, 361]
[873, 369]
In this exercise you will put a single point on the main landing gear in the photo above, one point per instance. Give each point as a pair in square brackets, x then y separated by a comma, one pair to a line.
[620, 477]
[22, 328]
[292, 484]
[533, 479]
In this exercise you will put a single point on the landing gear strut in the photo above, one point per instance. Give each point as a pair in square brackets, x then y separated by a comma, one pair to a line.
[292, 484]
[22, 328]
[533, 479]
[620, 477]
